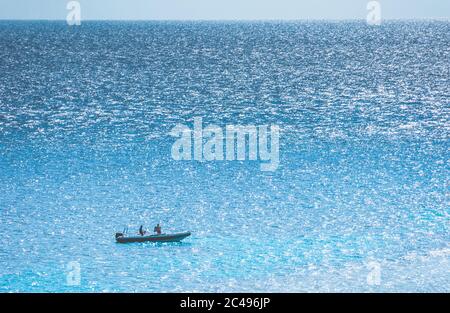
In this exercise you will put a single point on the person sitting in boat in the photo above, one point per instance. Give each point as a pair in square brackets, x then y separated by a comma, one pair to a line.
[157, 229]
[142, 231]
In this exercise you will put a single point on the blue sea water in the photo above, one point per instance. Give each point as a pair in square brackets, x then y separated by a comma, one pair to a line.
[85, 150]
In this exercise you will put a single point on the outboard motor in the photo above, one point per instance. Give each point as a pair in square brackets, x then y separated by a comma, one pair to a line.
[118, 235]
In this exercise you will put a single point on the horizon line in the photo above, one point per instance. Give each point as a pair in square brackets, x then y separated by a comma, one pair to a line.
[231, 20]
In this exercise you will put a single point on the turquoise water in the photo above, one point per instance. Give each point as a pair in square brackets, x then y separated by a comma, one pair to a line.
[85, 150]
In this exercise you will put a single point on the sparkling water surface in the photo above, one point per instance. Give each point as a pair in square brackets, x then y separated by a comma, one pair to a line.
[85, 150]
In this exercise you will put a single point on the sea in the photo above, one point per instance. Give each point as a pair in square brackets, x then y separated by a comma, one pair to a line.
[358, 203]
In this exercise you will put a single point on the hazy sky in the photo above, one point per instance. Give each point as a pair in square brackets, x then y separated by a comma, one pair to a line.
[223, 9]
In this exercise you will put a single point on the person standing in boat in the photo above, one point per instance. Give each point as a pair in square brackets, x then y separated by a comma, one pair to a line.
[157, 229]
[142, 231]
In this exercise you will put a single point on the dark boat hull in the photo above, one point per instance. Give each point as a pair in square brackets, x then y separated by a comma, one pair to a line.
[154, 238]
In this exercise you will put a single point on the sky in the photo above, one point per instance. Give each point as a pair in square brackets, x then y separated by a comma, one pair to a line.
[223, 9]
